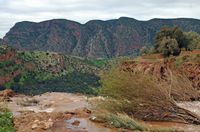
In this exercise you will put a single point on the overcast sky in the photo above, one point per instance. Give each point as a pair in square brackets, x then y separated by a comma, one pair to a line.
[12, 11]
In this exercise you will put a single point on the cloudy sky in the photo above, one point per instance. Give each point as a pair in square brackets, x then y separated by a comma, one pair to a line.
[12, 11]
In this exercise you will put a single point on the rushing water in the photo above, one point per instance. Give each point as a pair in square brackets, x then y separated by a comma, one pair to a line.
[60, 102]
[191, 106]
[85, 125]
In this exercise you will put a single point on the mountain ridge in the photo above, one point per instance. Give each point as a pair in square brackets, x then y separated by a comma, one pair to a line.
[95, 38]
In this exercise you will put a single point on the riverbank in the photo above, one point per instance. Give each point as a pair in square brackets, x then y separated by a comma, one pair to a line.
[66, 112]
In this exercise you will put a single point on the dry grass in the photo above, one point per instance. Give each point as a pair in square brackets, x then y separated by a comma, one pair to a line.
[143, 97]
[182, 88]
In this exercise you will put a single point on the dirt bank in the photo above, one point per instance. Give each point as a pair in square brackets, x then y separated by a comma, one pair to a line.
[63, 112]
[6, 95]
[192, 71]
[184, 80]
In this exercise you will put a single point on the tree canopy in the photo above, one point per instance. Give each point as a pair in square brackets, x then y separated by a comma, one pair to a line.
[193, 40]
[169, 41]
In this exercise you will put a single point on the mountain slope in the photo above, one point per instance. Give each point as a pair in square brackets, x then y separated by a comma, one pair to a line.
[118, 37]
[37, 72]
[1, 41]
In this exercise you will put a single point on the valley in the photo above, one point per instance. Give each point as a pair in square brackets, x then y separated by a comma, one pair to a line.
[63, 112]
[90, 85]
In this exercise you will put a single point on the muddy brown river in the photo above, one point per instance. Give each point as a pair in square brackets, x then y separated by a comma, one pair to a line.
[62, 102]
[57, 102]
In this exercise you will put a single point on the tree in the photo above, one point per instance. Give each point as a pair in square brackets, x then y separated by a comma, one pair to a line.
[169, 46]
[193, 40]
[169, 41]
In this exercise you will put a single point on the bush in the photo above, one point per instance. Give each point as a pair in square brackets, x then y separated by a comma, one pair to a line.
[168, 47]
[6, 120]
[120, 120]
[141, 96]
[193, 40]
[130, 91]
[124, 121]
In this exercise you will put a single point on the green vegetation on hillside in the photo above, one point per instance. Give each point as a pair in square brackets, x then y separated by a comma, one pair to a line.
[37, 72]
[100, 63]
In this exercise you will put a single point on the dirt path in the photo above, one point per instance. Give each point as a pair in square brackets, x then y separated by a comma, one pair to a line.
[53, 112]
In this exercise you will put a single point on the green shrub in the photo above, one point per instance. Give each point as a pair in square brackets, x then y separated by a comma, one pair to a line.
[6, 120]
[124, 121]
[100, 63]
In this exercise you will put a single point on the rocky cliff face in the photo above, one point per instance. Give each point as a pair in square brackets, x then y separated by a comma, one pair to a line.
[119, 37]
